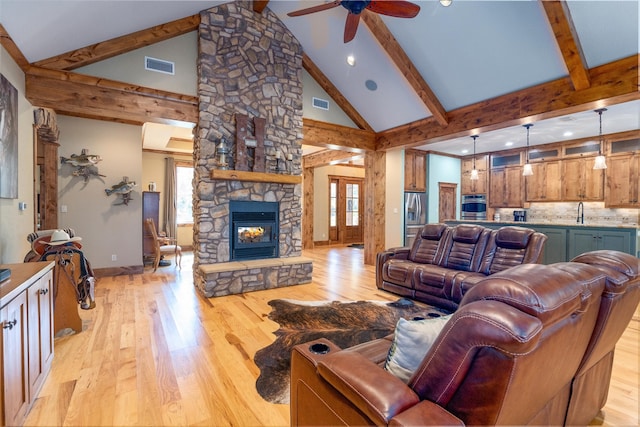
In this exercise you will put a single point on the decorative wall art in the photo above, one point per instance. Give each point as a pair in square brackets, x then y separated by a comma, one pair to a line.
[8, 140]
[123, 188]
[84, 163]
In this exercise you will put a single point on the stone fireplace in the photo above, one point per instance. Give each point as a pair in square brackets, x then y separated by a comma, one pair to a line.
[250, 67]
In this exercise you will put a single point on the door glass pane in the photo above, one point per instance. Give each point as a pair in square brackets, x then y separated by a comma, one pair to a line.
[352, 205]
[333, 204]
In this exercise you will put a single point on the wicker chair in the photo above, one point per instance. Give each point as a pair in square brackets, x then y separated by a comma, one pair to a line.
[162, 245]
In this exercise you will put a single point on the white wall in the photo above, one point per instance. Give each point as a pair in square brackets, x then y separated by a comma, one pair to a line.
[333, 115]
[321, 197]
[106, 226]
[394, 206]
[441, 169]
[15, 225]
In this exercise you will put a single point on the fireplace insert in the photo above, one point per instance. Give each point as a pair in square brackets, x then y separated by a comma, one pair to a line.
[254, 230]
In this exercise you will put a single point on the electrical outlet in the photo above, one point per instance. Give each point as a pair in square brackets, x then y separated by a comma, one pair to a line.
[114, 257]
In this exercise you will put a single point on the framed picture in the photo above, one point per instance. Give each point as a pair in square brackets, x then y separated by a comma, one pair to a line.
[8, 140]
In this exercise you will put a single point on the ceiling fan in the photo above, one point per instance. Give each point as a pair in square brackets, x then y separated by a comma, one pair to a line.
[396, 8]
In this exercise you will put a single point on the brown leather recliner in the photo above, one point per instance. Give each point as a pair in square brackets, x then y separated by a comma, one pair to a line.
[507, 356]
[618, 304]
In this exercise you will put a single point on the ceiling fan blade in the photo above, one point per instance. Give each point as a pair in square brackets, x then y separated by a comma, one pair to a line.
[398, 8]
[314, 9]
[351, 27]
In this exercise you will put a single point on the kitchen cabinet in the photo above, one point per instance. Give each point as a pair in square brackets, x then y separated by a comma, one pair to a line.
[546, 182]
[26, 316]
[581, 182]
[479, 186]
[505, 187]
[583, 240]
[622, 186]
[415, 171]
[555, 248]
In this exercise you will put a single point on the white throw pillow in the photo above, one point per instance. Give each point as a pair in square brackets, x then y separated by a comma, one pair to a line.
[412, 341]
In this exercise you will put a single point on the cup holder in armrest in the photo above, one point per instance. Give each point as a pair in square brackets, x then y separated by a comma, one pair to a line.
[319, 348]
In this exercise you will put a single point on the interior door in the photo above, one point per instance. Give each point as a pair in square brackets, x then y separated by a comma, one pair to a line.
[447, 201]
[346, 204]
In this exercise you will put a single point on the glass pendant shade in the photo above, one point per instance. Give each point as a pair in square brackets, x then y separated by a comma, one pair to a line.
[527, 170]
[474, 175]
[600, 162]
[474, 171]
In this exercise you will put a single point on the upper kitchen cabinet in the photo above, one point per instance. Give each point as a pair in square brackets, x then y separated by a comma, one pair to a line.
[545, 184]
[475, 186]
[415, 171]
[505, 182]
[623, 175]
[581, 182]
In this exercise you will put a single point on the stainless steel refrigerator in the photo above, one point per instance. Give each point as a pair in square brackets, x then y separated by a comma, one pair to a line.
[415, 215]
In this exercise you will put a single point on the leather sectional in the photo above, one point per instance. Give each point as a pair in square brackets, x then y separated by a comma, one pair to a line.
[446, 261]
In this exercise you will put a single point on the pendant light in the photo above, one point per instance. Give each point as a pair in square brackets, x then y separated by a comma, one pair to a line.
[600, 160]
[474, 171]
[527, 170]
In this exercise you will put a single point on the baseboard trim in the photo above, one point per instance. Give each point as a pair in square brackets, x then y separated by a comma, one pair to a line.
[118, 271]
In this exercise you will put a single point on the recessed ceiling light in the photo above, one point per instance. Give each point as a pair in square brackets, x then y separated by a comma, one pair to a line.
[446, 3]
[509, 144]
[568, 133]
[465, 151]
[351, 60]
[371, 85]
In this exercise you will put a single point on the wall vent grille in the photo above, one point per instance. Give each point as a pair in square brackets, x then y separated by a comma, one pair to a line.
[322, 104]
[159, 65]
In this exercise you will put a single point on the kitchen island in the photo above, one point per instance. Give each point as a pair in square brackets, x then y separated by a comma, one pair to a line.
[566, 241]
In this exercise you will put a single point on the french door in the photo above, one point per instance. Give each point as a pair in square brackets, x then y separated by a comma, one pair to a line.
[346, 203]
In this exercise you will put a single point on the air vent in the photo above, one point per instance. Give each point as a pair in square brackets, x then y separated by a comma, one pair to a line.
[322, 104]
[159, 65]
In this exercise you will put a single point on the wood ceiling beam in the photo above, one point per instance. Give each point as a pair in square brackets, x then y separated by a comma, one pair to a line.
[559, 18]
[337, 137]
[334, 93]
[327, 157]
[405, 65]
[14, 52]
[259, 5]
[94, 97]
[119, 45]
[611, 83]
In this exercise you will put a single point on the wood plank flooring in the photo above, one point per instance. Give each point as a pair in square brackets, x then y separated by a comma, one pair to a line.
[154, 352]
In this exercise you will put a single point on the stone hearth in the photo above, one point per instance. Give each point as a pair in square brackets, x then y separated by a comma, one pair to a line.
[249, 65]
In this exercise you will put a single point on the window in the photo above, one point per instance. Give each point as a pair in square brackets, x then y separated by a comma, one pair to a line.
[184, 194]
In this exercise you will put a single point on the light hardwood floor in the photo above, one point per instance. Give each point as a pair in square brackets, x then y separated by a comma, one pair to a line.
[154, 352]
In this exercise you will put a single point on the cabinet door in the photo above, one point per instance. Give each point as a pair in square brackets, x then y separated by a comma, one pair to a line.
[534, 184]
[593, 187]
[409, 177]
[581, 182]
[420, 172]
[39, 306]
[555, 248]
[497, 188]
[15, 360]
[581, 241]
[514, 194]
[467, 186]
[615, 241]
[545, 183]
[622, 181]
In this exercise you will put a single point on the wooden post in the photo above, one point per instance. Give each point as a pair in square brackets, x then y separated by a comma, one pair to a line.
[374, 205]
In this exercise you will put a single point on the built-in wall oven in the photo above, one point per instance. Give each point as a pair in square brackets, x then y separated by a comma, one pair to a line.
[474, 207]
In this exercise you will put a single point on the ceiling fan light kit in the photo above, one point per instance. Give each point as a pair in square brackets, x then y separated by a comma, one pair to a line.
[600, 162]
[395, 8]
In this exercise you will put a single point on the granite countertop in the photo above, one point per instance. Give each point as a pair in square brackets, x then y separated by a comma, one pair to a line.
[552, 224]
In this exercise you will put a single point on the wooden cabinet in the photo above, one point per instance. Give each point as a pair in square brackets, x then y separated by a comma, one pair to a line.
[479, 186]
[415, 170]
[505, 187]
[580, 181]
[546, 182]
[150, 209]
[622, 186]
[26, 316]
[555, 248]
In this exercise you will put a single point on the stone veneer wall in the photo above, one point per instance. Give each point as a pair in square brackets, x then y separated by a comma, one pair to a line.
[249, 64]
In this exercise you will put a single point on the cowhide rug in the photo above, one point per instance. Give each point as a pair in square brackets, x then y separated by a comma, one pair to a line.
[344, 323]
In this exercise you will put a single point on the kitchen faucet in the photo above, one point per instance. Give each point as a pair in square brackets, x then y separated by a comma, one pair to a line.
[580, 218]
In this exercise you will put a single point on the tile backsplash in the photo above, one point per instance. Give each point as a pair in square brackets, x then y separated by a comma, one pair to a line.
[567, 212]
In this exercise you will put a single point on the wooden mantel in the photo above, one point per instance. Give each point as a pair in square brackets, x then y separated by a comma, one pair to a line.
[234, 175]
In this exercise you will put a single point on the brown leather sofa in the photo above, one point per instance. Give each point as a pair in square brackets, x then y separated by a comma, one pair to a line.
[527, 345]
[445, 262]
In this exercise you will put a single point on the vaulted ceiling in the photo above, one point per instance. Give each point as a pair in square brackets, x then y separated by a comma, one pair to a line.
[475, 67]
